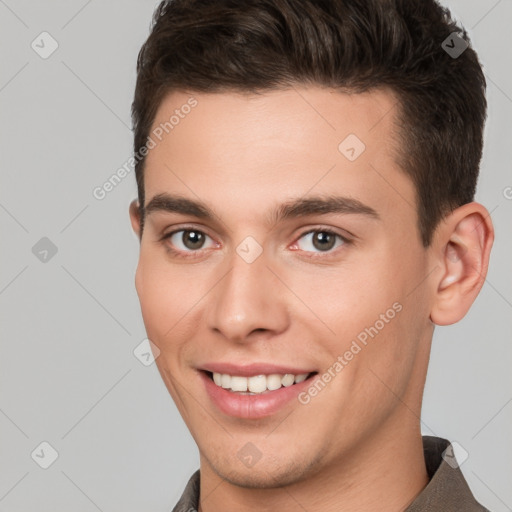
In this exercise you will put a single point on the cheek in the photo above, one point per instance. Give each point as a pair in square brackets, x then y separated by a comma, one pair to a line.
[165, 297]
[351, 298]
[369, 311]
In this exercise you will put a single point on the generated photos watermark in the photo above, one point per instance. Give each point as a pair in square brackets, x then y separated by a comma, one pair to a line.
[101, 191]
[355, 348]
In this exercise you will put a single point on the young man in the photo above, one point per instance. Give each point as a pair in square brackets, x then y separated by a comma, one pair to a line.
[306, 172]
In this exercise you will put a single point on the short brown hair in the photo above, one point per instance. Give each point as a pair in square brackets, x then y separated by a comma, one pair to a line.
[350, 45]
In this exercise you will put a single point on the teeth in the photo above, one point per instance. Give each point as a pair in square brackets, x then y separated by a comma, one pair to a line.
[225, 381]
[301, 378]
[288, 380]
[274, 381]
[239, 384]
[258, 383]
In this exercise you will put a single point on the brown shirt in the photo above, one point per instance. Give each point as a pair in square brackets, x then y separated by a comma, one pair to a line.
[447, 490]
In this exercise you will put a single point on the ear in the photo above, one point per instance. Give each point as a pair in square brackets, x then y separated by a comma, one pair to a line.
[463, 242]
[135, 217]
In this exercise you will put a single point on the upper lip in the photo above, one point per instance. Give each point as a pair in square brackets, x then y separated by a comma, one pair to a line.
[249, 370]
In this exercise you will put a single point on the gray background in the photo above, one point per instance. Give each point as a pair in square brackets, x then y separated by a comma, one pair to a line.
[69, 325]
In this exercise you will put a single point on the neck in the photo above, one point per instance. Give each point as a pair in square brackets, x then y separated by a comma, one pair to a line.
[385, 474]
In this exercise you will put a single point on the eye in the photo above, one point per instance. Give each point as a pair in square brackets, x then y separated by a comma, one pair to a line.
[321, 240]
[187, 240]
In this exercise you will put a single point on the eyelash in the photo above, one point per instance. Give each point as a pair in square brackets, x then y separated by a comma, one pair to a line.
[194, 254]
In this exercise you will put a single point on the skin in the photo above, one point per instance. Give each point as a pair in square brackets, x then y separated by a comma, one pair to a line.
[357, 444]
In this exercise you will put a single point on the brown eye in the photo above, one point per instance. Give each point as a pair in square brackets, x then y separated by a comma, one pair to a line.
[192, 239]
[321, 240]
[188, 240]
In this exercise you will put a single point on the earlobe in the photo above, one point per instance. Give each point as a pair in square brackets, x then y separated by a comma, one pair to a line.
[464, 245]
[135, 217]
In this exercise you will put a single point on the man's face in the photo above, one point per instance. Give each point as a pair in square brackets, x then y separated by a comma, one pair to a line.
[247, 292]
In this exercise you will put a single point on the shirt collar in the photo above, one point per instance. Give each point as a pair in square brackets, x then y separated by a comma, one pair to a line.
[447, 489]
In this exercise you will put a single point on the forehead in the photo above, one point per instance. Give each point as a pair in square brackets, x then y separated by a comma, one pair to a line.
[249, 150]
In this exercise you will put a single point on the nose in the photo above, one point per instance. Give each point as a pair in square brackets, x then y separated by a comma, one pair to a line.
[249, 302]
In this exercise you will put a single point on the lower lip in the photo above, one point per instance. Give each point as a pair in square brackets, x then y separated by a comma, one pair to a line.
[252, 406]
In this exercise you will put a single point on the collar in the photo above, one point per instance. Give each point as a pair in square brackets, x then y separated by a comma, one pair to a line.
[447, 489]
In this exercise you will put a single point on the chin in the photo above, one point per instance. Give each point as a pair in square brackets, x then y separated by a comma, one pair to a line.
[259, 480]
[265, 475]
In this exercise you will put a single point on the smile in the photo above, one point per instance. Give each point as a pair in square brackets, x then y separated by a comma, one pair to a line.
[254, 396]
[256, 384]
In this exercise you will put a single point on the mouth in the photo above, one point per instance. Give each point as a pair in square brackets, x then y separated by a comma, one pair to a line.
[257, 384]
[254, 396]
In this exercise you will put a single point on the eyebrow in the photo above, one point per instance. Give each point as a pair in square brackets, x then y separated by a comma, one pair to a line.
[295, 208]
